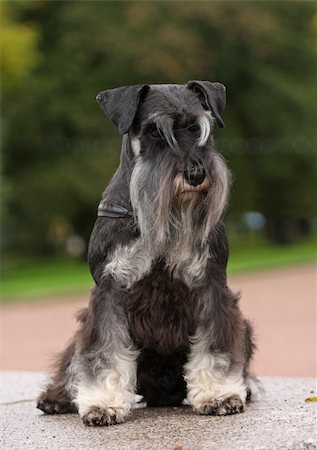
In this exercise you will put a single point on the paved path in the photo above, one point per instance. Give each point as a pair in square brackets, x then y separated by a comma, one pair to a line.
[280, 303]
[280, 420]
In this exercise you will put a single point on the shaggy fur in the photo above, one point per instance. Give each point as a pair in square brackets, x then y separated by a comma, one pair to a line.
[161, 320]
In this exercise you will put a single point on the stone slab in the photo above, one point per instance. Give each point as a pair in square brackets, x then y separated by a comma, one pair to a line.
[278, 419]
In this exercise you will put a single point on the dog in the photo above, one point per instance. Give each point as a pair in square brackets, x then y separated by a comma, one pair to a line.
[161, 321]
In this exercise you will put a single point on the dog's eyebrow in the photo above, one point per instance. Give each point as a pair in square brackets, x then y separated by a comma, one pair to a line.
[164, 125]
[205, 127]
[185, 128]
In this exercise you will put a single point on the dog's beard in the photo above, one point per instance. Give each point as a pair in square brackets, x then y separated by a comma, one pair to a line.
[169, 219]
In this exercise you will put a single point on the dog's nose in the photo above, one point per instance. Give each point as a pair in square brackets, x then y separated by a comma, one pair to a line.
[195, 175]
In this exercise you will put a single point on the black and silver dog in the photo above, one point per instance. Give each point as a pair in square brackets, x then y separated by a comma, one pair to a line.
[161, 321]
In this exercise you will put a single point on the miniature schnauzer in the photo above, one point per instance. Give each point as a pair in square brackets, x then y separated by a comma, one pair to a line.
[161, 321]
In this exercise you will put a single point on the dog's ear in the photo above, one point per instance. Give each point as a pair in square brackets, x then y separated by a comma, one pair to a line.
[212, 95]
[121, 104]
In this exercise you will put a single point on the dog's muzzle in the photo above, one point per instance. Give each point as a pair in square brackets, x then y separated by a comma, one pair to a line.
[191, 181]
[195, 175]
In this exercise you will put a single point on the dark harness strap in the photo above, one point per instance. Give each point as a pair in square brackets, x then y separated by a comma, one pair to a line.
[113, 211]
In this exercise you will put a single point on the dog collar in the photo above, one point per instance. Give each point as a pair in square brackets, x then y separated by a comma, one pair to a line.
[113, 211]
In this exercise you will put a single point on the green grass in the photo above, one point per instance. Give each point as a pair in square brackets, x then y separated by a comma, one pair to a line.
[46, 279]
[36, 279]
[259, 255]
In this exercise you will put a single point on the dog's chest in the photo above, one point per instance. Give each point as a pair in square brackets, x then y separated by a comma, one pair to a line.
[132, 263]
[160, 294]
[162, 311]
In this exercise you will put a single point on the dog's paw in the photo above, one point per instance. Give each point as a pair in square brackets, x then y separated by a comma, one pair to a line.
[100, 417]
[49, 406]
[231, 405]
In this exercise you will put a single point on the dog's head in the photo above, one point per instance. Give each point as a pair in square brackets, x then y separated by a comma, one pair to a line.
[179, 183]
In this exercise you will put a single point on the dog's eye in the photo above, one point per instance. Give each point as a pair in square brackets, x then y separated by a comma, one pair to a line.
[194, 128]
[155, 134]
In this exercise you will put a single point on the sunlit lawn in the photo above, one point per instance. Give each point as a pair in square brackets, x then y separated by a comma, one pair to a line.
[259, 255]
[45, 278]
[41, 279]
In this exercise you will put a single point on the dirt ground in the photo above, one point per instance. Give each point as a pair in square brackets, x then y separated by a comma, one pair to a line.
[280, 303]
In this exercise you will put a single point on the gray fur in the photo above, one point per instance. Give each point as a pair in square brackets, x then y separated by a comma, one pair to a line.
[161, 314]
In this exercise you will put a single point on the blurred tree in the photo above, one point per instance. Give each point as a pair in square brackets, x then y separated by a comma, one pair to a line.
[56, 156]
[18, 49]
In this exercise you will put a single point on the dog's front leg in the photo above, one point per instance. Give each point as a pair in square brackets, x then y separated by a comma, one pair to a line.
[213, 387]
[107, 358]
[215, 371]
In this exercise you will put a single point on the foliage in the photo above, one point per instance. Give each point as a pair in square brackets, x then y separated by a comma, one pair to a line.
[18, 49]
[56, 156]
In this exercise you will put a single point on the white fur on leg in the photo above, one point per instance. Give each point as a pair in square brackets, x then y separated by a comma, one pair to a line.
[112, 390]
[208, 376]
